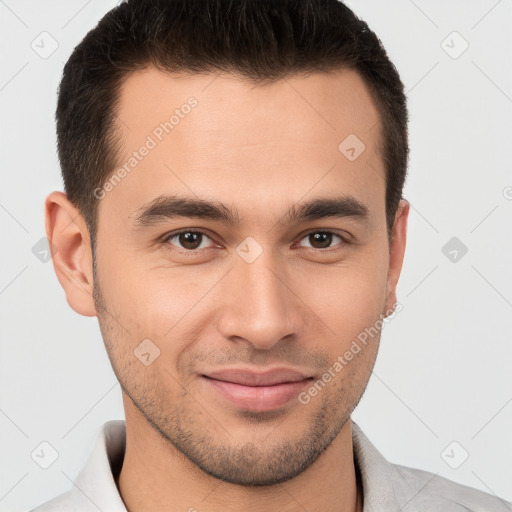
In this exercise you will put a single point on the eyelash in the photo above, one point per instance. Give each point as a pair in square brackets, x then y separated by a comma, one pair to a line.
[169, 236]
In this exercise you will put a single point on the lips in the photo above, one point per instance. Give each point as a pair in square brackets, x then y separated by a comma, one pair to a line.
[257, 391]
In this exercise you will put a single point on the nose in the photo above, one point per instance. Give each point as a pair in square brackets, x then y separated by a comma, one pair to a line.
[259, 304]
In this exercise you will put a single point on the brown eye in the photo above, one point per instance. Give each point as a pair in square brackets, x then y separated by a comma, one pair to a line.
[187, 239]
[190, 240]
[323, 239]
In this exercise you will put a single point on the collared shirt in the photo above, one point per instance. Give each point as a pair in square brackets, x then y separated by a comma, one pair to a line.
[387, 487]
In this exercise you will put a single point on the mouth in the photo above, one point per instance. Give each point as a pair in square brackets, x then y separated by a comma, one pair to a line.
[257, 391]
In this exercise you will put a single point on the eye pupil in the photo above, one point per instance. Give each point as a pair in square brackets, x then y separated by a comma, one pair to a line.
[190, 239]
[322, 238]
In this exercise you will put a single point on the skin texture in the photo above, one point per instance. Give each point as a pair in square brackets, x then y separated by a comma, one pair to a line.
[300, 304]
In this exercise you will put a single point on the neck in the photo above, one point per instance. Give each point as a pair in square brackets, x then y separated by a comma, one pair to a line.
[157, 476]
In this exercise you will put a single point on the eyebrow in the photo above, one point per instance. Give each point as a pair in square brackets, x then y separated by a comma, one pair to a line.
[166, 207]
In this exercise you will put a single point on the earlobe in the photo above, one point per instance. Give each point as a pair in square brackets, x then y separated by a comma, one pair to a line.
[69, 240]
[397, 252]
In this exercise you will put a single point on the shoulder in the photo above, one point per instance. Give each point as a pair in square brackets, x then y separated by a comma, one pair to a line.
[69, 501]
[393, 487]
[417, 489]
[95, 488]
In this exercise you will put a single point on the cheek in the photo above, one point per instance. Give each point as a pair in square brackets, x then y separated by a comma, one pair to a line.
[348, 297]
[145, 298]
[165, 305]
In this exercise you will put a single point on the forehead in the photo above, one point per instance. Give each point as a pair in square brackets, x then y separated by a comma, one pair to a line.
[321, 104]
[220, 136]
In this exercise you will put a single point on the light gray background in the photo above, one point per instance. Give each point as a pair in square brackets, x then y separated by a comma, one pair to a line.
[443, 372]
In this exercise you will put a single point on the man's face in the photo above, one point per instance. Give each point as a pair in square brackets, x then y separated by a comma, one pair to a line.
[263, 292]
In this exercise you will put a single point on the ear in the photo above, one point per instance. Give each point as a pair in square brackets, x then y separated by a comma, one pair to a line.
[70, 246]
[396, 252]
